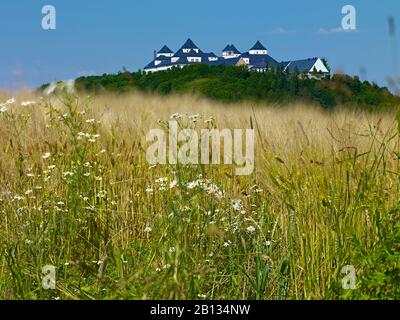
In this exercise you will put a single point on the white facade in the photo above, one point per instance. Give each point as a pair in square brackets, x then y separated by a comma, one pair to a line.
[168, 55]
[230, 54]
[265, 52]
[319, 66]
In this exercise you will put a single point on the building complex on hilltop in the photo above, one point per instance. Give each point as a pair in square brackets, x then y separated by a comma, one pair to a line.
[257, 58]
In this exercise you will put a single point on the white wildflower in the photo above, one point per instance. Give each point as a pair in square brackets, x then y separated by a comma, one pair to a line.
[46, 155]
[209, 120]
[227, 243]
[176, 116]
[18, 198]
[28, 103]
[3, 106]
[148, 229]
[237, 205]
[102, 194]
[193, 184]
[194, 118]
[10, 101]
[173, 184]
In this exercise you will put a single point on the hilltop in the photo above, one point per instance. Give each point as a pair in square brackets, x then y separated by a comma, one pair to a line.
[234, 84]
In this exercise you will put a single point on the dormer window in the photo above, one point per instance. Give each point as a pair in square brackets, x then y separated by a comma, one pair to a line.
[185, 50]
[194, 59]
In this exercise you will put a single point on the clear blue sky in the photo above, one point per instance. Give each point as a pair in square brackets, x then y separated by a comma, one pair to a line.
[98, 36]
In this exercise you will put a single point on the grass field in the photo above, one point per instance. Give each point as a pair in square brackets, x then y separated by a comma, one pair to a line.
[77, 193]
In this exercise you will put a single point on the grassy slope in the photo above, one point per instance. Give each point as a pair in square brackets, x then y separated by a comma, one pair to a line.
[324, 194]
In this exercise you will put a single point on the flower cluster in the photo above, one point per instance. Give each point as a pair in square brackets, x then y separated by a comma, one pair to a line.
[207, 186]
[28, 103]
[163, 184]
[90, 137]
[4, 106]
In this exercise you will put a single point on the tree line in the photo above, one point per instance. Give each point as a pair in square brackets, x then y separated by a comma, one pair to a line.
[233, 84]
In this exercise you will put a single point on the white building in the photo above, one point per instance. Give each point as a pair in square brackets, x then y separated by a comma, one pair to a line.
[257, 58]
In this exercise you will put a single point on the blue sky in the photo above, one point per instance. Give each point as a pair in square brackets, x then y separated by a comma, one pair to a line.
[98, 36]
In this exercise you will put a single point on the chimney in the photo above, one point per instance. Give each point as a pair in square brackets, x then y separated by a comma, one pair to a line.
[155, 54]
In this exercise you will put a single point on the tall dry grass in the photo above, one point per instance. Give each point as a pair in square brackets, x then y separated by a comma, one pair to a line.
[323, 185]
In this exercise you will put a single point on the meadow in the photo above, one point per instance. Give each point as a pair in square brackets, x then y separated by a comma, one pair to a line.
[77, 193]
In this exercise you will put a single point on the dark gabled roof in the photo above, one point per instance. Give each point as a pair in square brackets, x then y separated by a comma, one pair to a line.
[299, 65]
[163, 63]
[149, 66]
[209, 55]
[231, 61]
[258, 46]
[165, 49]
[231, 47]
[180, 53]
[191, 53]
[181, 60]
[263, 61]
[189, 44]
[194, 54]
[260, 61]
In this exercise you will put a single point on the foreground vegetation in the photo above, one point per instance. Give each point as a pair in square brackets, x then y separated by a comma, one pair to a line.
[233, 84]
[77, 193]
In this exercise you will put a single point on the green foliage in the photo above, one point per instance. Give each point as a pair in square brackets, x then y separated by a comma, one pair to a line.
[380, 276]
[233, 84]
